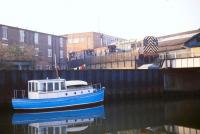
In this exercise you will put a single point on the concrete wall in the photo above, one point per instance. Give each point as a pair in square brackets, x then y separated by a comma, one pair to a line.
[182, 58]
[185, 79]
[182, 63]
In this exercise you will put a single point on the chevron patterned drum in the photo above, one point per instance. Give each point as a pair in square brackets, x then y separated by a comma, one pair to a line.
[150, 45]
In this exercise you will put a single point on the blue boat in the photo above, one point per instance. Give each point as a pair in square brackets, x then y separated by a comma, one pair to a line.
[58, 93]
[59, 121]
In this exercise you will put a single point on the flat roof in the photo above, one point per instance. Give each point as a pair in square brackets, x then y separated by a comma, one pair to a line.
[34, 31]
[47, 80]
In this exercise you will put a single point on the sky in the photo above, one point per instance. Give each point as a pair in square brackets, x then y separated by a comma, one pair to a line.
[130, 19]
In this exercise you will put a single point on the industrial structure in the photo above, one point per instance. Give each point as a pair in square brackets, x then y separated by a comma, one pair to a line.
[81, 45]
[92, 50]
[130, 54]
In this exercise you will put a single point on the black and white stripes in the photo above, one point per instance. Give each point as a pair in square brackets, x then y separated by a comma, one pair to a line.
[150, 45]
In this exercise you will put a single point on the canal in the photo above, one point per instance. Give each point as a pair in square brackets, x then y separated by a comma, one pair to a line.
[132, 116]
[135, 103]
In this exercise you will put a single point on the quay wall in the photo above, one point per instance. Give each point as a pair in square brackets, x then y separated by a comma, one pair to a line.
[182, 80]
[119, 83]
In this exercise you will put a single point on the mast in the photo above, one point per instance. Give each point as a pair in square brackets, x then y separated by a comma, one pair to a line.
[56, 69]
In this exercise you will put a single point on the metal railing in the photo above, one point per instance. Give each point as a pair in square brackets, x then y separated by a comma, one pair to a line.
[182, 59]
[97, 86]
[179, 55]
[19, 93]
[182, 63]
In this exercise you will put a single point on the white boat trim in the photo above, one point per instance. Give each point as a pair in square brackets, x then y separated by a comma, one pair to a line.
[75, 83]
[61, 111]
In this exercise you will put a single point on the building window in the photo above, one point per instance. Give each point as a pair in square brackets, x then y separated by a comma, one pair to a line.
[69, 41]
[61, 42]
[36, 38]
[21, 33]
[82, 39]
[36, 51]
[22, 48]
[49, 52]
[61, 54]
[49, 40]
[5, 33]
[75, 40]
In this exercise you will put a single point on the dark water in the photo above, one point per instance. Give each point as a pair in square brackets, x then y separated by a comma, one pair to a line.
[181, 116]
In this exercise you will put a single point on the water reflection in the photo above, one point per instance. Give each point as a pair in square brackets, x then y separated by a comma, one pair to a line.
[59, 122]
[166, 129]
[181, 129]
[179, 116]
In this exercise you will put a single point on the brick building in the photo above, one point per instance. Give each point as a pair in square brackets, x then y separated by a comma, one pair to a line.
[45, 45]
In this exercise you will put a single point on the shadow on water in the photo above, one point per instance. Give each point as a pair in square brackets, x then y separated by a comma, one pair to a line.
[127, 117]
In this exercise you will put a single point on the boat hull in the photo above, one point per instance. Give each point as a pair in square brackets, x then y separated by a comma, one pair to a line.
[54, 103]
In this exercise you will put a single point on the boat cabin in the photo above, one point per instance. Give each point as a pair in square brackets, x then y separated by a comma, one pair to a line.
[38, 89]
[56, 88]
[72, 83]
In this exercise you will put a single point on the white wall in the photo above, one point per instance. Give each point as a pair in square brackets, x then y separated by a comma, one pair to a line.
[182, 63]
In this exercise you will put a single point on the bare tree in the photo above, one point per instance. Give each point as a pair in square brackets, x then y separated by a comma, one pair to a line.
[15, 53]
[3, 51]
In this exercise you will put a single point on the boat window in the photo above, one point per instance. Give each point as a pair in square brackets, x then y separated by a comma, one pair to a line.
[32, 86]
[62, 85]
[36, 87]
[43, 87]
[29, 86]
[50, 86]
[56, 86]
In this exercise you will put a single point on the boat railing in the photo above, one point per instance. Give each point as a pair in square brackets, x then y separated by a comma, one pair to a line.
[97, 86]
[19, 93]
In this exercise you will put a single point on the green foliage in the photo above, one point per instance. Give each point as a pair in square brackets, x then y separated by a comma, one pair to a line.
[15, 53]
